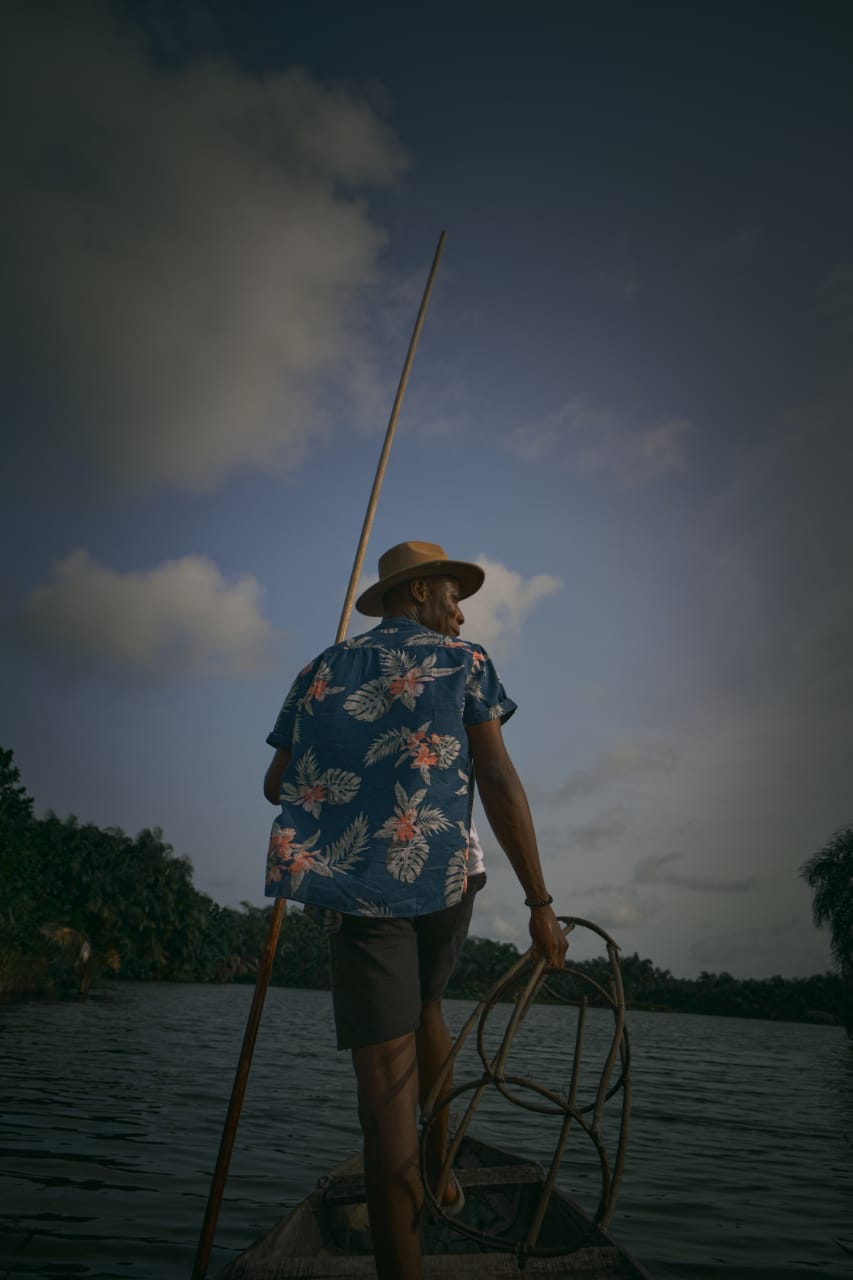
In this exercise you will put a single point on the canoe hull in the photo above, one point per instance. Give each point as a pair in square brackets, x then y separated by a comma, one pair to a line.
[327, 1235]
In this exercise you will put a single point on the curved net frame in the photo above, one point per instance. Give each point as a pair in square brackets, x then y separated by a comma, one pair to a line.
[523, 1091]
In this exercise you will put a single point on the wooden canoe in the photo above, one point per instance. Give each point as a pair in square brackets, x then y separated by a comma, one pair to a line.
[327, 1235]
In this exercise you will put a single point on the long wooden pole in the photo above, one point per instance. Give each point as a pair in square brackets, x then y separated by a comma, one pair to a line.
[229, 1133]
[386, 449]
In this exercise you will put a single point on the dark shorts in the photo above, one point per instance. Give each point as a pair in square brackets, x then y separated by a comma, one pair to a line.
[384, 969]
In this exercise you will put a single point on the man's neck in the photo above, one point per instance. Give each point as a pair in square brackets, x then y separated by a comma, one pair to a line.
[410, 613]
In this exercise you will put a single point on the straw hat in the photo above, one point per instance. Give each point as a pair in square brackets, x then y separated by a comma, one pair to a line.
[417, 560]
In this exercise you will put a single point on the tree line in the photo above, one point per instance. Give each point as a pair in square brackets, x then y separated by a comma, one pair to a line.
[78, 902]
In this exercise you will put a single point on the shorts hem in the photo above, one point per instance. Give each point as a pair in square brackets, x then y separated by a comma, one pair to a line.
[350, 1041]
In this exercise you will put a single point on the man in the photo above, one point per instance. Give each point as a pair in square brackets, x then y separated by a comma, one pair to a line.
[376, 749]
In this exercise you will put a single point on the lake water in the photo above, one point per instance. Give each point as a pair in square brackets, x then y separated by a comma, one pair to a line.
[740, 1161]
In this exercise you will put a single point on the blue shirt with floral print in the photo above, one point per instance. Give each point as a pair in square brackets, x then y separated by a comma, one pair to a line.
[376, 800]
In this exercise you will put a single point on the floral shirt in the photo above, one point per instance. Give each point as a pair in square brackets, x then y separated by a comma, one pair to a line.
[376, 800]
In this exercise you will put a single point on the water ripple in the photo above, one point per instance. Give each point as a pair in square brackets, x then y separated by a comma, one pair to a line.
[111, 1113]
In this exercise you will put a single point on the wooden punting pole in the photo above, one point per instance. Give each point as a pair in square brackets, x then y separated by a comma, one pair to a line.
[232, 1119]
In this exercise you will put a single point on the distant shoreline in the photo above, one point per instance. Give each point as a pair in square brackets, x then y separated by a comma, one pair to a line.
[829, 985]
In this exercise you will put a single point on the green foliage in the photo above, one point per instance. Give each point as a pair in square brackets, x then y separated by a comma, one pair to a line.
[829, 872]
[18, 857]
[79, 900]
[16, 807]
[822, 998]
[302, 959]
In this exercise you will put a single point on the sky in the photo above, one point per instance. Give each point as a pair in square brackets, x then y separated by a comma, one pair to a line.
[630, 402]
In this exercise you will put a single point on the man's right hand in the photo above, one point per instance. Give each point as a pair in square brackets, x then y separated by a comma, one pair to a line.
[548, 938]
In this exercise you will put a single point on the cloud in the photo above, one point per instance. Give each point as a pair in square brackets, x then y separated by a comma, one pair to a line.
[770, 549]
[534, 442]
[594, 440]
[222, 882]
[722, 948]
[604, 829]
[438, 408]
[179, 619]
[628, 759]
[657, 869]
[500, 923]
[623, 908]
[504, 602]
[188, 247]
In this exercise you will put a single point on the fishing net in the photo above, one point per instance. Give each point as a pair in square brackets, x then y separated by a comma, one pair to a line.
[576, 1103]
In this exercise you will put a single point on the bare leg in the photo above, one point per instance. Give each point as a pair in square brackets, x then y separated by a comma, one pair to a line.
[387, 1076]
[433, 1047]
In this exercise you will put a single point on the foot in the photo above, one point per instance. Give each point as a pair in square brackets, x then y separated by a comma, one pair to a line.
[453, 1200]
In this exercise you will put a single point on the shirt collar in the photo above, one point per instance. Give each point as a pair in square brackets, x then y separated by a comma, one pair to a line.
[399, 623]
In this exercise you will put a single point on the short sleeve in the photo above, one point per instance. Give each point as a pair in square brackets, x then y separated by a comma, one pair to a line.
[485, 696]
[283, 730]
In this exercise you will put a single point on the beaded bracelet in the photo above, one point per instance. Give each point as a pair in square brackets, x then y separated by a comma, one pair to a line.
[546, 902]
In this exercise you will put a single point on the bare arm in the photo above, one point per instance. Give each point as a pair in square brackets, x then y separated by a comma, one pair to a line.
[505, 802]
[275, 773]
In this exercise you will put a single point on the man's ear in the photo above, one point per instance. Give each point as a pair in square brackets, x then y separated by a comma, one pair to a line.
[419, 589]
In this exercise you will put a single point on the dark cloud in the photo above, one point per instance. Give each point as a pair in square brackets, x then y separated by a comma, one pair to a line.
[660, 869]
[748, 944]
[594, 439]
[628, 759]
[625, 908]
[222, 882]
[604, 829]
[184, 251]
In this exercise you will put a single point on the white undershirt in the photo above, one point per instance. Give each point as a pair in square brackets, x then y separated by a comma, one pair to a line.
[475, 852]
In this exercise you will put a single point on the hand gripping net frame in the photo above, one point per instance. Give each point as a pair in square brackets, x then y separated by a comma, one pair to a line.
[546, 1101]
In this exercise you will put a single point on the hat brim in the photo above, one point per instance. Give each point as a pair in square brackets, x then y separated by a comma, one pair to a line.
[469, 576]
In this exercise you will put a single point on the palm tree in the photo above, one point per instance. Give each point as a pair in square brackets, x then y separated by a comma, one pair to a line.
[830, 873]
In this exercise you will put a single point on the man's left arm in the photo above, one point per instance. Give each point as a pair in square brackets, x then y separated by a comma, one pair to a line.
[285, 732]
[275, 773]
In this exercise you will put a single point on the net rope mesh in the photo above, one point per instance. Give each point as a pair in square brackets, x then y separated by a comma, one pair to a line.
[522, 984]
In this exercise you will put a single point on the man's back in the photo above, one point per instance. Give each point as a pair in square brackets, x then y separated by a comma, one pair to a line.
[376, 799]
